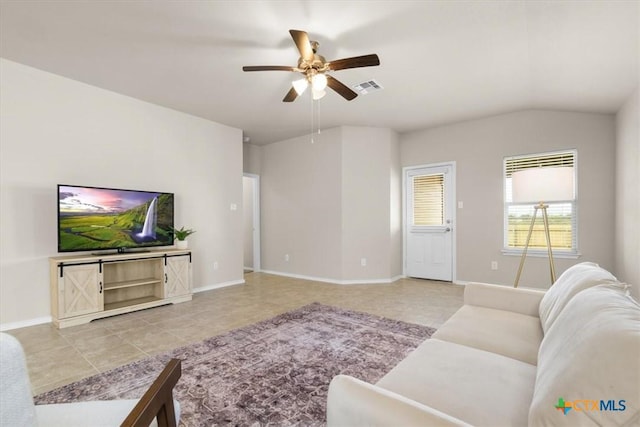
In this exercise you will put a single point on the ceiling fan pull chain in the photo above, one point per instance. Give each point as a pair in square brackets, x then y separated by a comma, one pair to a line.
[312, 116]
[318, 116]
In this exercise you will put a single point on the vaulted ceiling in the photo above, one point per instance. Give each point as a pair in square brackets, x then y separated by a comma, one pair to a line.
[441, 61]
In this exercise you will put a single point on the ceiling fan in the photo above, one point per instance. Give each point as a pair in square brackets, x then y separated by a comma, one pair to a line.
[315, 69]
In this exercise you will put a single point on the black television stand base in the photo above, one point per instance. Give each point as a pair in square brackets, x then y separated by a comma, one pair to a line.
[121, 251]
[132, 251]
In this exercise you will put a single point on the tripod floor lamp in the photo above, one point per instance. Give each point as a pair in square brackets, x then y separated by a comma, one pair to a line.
[541, 185]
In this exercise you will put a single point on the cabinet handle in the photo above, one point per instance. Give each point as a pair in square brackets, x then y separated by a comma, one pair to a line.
[166, 279]
[100, 287]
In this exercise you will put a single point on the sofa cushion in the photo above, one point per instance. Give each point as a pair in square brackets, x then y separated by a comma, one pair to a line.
[504, 332]
[506, 298]
[590, 354]
[475, 386]
[575, 279]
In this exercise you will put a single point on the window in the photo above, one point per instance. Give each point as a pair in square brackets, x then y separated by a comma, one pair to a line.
[562, 214]
[428, 199]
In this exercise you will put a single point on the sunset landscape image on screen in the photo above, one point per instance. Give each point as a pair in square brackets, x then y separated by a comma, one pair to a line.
[98, 218]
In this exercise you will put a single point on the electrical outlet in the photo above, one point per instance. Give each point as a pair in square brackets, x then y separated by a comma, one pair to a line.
[286, 257]
[215, 265]
[363, 262]
[494, 265]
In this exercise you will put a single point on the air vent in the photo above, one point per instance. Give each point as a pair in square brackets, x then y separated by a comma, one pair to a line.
[368, 87]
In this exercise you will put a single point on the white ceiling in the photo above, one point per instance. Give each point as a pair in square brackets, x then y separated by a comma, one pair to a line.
[441, 61]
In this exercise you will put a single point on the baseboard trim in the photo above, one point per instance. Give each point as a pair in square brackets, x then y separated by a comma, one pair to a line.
[218, 286]
[25, 323]
[333, 281]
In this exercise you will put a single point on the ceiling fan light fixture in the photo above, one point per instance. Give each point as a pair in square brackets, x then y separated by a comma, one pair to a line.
[318, 94]
[316, 69]
[319, 82]
[300, 85]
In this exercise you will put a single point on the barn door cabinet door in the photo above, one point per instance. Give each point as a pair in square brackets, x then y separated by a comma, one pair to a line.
[80, 291]
[177, 276]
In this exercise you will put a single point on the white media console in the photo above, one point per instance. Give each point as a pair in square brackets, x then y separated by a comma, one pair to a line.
[89, 287]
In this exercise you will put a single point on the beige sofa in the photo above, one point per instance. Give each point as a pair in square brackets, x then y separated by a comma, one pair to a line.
[514, 357]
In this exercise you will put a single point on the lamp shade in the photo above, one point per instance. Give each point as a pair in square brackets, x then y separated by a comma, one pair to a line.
[300, 85]
[318, 94]
[319, 82]
[545, 184]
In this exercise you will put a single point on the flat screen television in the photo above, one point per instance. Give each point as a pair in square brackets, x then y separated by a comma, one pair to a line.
[93, 218]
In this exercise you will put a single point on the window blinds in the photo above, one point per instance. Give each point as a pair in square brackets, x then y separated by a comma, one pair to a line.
[514, 164]
[562, 216]
[428, 199]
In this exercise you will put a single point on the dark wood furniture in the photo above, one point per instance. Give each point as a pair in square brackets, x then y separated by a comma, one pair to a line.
[157, 402]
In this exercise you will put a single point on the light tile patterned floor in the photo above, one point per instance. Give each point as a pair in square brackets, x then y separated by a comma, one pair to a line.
[59, 356]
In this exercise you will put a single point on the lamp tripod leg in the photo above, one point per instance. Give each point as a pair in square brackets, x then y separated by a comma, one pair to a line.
[552, 267]
[526, 247]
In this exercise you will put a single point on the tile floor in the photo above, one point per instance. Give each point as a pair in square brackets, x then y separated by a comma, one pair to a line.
[56, 357]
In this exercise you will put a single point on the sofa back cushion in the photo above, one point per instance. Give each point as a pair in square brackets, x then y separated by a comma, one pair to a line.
[589, 362]
[575, 279]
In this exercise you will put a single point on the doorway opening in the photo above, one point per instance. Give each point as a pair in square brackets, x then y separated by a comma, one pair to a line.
[251, 221]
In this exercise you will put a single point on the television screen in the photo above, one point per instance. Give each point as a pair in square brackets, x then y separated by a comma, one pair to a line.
[91, 218]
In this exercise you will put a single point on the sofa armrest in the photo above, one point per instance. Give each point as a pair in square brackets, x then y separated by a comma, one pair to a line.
[517, 300]
[352, 402]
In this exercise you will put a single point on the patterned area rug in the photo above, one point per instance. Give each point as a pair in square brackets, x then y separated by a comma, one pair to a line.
[274, 372]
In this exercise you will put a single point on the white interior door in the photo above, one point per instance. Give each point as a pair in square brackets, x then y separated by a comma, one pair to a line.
[429, 222]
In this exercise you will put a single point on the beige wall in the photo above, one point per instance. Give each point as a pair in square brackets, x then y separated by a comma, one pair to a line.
[395, 208]
[55, 130]
[627, 249]
[251, 158]
[329, 204]
[301, 206]
[367, 203]
[479, 146]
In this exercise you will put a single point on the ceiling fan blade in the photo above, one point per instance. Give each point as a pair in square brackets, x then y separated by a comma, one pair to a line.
[339, 87]
[290, 96]
[301, 39]
[268, 68]
[355, 62]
